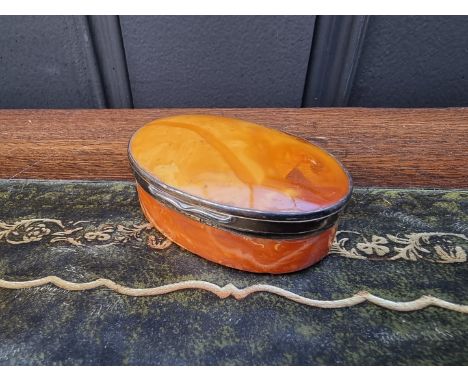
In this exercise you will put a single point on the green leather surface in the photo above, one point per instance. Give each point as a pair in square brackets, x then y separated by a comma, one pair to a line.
[395, 244]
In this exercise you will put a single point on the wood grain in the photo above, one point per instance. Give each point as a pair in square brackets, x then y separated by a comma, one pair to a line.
[380, 147]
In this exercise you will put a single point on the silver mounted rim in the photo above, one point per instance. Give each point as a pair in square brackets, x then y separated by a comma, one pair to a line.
[241, 220]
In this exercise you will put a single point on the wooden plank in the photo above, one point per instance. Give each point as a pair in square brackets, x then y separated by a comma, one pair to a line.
[380, 147]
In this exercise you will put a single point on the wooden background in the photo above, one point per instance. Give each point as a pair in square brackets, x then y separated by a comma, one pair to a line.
[66, 62]
[380, 147]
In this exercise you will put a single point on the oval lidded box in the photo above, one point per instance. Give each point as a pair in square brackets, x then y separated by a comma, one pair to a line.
[238, 193]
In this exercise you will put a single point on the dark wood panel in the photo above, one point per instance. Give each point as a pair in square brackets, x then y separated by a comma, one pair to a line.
[413, 61]
[48, 62]
[380, 147]
[333, 60]
[217, 61]
[107, 38]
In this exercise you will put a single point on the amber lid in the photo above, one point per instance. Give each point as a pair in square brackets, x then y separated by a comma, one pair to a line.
[237, 167]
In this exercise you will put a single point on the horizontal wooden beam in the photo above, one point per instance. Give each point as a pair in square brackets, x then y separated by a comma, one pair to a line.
[380, 147]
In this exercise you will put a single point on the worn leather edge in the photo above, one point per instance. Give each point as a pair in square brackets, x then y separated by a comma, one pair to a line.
[231, 290]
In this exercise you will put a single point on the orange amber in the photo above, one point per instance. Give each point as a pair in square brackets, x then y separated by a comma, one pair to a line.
[223, 188]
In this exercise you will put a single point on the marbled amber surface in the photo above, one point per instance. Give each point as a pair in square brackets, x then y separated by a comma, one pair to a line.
[239, 163]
